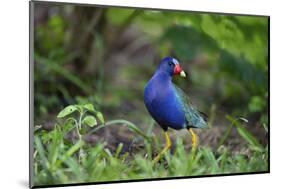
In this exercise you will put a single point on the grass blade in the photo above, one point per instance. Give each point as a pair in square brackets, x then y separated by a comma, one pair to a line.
[245, 134]
[129, 124]
[249, 137]
[41, 152]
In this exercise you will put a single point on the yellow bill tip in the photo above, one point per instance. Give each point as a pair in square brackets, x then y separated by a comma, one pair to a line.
[182, 74]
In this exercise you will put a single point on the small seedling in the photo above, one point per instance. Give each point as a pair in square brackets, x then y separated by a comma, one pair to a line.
[87, 116]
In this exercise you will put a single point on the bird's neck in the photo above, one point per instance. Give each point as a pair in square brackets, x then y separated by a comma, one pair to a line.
[163, 77]
[160, 84]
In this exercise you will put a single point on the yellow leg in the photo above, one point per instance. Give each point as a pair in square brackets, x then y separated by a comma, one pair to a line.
[166, 148]
[194, 140]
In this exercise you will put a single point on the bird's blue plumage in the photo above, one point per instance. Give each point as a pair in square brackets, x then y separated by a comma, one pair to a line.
[167, 103]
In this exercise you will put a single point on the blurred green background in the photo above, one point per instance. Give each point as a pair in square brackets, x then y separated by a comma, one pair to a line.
[105, 56]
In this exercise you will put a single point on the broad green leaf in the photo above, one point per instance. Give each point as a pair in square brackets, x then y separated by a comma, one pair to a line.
[89, 107]
[90, 121]
[79, 107]
[189, 42]
[66, 111]
[100, 117]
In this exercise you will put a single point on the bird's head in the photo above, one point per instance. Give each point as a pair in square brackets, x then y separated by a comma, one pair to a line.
[171, 66]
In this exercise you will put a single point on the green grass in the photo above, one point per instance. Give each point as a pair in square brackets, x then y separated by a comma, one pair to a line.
[57, 161]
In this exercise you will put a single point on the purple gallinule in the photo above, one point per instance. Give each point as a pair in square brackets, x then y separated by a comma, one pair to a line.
[169, 105]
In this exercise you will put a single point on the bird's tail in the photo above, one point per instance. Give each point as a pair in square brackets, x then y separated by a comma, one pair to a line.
[204, 116]
[203, 121]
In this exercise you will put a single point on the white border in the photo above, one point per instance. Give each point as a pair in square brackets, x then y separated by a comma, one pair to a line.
[14, 92]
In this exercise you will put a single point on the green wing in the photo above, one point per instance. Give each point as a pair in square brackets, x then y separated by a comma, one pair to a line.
[192, 115]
